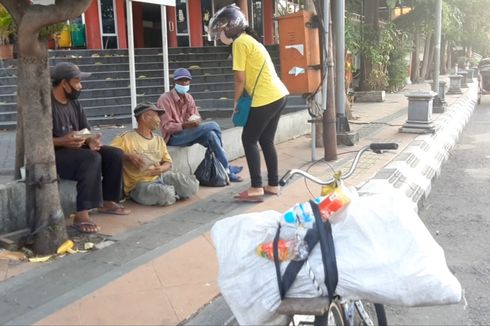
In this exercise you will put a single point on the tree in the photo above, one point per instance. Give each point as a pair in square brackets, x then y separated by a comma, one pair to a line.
[34, 120]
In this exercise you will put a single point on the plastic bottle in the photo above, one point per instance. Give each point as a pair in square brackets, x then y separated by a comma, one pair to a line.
[301, 214]
[295, 249]
[333, 203]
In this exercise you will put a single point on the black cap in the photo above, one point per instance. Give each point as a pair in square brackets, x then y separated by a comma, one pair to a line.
[145, 107]
[67, 70]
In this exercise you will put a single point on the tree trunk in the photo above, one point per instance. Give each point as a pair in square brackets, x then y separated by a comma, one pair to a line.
[444, 68]
[427, 54]
[415, 73]
[43, 208]
[370, 34]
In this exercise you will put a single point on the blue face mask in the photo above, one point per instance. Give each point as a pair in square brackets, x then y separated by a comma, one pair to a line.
[181, 89]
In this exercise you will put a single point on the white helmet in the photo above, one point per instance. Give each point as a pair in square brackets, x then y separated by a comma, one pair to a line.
[229, 19]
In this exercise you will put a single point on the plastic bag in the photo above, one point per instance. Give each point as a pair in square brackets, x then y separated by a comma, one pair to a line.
[211, 172]
[385, 254]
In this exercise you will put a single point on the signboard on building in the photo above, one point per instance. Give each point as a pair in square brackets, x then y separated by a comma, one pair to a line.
[159, 2]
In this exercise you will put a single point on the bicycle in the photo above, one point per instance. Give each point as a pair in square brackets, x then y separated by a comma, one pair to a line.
[332, 310]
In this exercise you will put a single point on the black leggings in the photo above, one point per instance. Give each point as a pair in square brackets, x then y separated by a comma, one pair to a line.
[98, 174]
[261, 128]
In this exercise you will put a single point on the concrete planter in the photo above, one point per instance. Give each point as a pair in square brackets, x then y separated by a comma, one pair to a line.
[455, 84]
[419, 113]
[370, 96]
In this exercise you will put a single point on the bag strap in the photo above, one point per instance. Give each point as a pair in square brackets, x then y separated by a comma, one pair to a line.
[256, 80]
[328, 250]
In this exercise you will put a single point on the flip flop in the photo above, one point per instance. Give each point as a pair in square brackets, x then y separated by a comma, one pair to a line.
[268, 192]
[235, 169]
[82, 227]
[234, 178]
[245, 197]
[116, 210]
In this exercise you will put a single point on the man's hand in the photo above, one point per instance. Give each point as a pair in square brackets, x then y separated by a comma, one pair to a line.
[191, 124]
[158, 168]
[135, 160]
[94, 143]
[70, 140]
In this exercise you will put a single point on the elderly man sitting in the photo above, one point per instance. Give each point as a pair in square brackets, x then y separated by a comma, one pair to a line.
[148, 179]
[182, 126]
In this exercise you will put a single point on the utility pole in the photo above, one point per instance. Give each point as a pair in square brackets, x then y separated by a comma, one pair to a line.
[328, 96]
[344, 134]
[438, 106]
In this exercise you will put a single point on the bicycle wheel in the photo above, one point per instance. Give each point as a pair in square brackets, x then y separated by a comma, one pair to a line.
[369, 314]
[334, 317]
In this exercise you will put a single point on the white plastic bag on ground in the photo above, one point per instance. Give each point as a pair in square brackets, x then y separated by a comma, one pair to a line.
[385, 254]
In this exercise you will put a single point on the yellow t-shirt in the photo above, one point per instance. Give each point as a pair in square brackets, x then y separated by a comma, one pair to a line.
[151, 150]
[249, 56]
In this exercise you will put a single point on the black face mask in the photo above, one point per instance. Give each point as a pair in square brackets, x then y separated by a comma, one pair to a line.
[74, 95]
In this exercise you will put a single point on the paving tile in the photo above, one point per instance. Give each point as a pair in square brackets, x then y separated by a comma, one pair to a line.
[69, 315]
[188, 298]
[141, 279]
[150, 307]
[193, 262]
[16, 268]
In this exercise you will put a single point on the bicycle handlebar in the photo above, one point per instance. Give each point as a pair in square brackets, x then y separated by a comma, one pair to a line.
[382, 146]
[374, 147]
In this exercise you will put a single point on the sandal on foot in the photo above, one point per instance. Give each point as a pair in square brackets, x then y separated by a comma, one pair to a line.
[234, 178]
[115, 210]
[235, 169]
[268, 192]
[86, 227]
[245, 197]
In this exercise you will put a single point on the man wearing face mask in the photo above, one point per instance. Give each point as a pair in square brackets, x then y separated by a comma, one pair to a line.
[182, 126]
[148, 179]
[97, 169]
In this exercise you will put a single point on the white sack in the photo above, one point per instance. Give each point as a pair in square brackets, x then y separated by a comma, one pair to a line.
[384, 252]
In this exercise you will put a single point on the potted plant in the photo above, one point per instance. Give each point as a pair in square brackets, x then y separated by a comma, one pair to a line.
[6, 33]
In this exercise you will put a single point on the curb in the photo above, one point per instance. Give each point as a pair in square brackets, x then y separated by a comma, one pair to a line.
[411, 172]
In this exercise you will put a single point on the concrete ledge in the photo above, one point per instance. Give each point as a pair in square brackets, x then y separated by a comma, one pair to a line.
[12, 207]
[185, 159]
[370, 96]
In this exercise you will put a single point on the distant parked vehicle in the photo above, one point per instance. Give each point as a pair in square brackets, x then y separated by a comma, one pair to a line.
[483, 78]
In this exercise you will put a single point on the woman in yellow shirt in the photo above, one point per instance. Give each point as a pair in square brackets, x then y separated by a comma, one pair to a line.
[254, 73]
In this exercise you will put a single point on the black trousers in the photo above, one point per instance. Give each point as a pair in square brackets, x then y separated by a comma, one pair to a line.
[98, 174]
[261, 128]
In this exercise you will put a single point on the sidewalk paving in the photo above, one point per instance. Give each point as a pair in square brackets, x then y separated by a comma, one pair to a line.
[162, 268]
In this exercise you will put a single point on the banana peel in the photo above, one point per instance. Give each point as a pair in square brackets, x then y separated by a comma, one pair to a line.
[65, 247]
[42, 259]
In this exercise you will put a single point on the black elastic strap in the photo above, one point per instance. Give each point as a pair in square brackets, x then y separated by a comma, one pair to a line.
[328, 250]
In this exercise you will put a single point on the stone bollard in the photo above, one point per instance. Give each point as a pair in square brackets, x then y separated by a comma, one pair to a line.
[440, 103]
[464, 80]
[469, 77]
[455, 84]
[419, 113]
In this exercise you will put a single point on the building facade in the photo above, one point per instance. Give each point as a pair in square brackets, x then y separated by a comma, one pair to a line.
[105, 22]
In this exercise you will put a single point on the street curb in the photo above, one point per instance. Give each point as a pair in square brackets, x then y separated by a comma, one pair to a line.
[411, 172]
